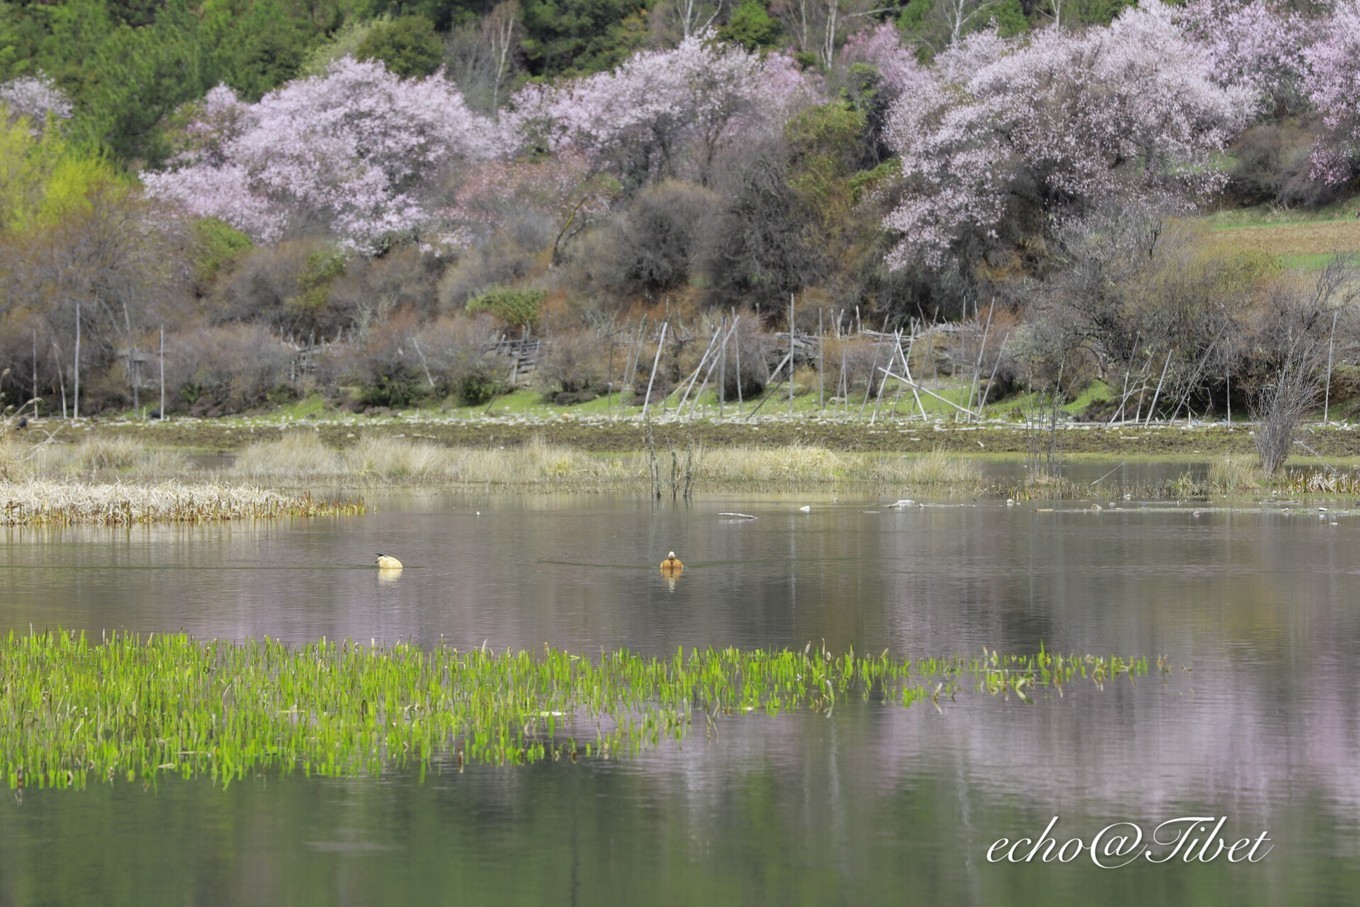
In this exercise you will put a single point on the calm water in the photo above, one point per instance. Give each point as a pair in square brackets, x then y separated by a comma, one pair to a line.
[873, 804]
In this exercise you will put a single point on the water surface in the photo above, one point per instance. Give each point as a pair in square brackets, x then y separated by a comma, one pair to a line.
[1258, 721]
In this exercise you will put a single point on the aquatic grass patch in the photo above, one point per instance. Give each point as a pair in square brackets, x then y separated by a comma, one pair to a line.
[36, 502]
[1233, 476]
[128, 707]
[1323, 481]
[937, 469]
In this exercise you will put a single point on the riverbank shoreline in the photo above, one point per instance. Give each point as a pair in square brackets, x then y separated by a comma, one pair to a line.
[1333, 441]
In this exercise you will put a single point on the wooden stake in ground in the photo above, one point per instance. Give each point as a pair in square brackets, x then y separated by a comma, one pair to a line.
[722, 370]
[790, 354]
[821, 364]
[162, 414]
[1326, 395]
[737, 351]
[76, 408]
[647, 400]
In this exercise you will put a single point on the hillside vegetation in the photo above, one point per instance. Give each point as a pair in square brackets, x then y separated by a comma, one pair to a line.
[239, 205]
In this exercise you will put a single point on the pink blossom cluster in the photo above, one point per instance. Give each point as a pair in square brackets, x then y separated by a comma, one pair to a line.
[664, 113]
[34, 97]
[1061, 121]
[1253, 43]
[355, 152]
[881, 47]
[1334, 90]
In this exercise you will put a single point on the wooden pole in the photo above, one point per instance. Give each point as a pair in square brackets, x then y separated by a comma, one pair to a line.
[76, 407]
[647, 400]
[1157, 393]
[790, 354]
[162, 356]
[1327, 394]
[703, 360]
[821, 363]
[736, 349]
[722, 370]
[61, 376]
[713, 363]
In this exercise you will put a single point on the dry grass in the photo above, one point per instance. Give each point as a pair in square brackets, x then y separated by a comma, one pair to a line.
[1239, 475]
[108, 457]
[297, 457]
[63, 503]
[937, 469]
[302, 458]
[800, 466]
[772, 467]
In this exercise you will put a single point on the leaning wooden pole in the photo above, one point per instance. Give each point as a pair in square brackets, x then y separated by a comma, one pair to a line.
[647, 400]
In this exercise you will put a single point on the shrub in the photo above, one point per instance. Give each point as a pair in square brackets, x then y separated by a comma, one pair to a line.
[651, 248]
[227, 368]
[572, 370]
[516, 307]
[384, 364]
[217, 246]
[455, 353]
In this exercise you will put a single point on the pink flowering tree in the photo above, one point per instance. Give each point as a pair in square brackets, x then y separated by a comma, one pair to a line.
[664, 113]
[1055, 126]
[1333, 87]
[1253, 43]
[357, 152]
[881, 47]
[34, 97]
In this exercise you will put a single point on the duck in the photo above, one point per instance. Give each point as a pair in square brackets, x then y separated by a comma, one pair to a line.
[387, 562]
[671, 564]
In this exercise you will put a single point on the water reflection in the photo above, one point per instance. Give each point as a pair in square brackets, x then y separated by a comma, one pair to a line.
[1258, 720]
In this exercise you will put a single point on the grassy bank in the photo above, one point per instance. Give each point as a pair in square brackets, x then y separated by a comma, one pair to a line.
[607, 434]
[131, 708]
[121, 478]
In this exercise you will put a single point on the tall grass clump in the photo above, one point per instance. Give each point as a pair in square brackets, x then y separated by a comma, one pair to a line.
[395, 459]
[1230, 476]
[107, 458]
[776, 467]
[133, 708]
[937, 469]
[298, 456]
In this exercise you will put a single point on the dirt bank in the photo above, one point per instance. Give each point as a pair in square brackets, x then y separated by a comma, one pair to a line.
[1332, 442]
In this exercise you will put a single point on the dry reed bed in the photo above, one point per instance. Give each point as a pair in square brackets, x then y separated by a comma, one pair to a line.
[304, 458]
[37, 502]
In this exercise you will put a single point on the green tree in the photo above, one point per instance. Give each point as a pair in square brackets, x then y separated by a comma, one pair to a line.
[43, 177]
[751, 26]
[136, 78]
[254, 45]
[407, 46]
[575, 36]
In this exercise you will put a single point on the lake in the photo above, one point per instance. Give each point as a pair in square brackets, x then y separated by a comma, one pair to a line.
[1256, 723]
